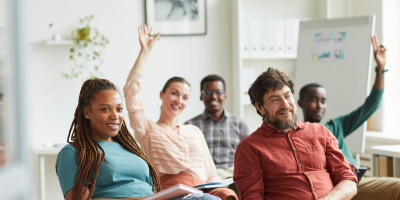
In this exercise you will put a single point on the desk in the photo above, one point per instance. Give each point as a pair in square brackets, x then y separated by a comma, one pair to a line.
[392, 151]
[41, 152]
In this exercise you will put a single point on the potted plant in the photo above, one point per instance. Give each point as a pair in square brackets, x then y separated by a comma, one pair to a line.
[87, 51]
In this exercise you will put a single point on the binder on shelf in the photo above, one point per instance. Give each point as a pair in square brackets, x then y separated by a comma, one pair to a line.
[255, 36]
[270, 38]
[278, 34]
[246, 38]
[178, 190]
[265, 41]
[385, 166]
[291, 30]
[376, 165]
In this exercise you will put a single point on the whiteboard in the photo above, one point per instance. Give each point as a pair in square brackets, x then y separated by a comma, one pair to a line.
[337, 53]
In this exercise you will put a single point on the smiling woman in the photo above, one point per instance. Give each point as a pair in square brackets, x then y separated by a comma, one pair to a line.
[179, 152]
[98, 143]
[105, 115]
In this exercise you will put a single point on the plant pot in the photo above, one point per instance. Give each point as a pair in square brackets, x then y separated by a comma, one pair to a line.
[83, 34]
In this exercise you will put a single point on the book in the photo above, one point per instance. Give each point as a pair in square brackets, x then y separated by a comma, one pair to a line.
[385, 166]
[376, 165]
[178, 190]
[216, 184]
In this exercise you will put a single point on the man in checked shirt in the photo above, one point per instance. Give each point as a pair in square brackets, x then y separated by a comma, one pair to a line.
[222, 130]
[285, 158]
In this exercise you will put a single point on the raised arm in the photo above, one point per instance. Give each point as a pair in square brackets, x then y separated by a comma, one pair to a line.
[134, 104]
[380, 58]
[350, 122]
[147, 42]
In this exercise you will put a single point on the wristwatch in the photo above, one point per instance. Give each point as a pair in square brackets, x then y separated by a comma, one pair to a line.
[380, 71]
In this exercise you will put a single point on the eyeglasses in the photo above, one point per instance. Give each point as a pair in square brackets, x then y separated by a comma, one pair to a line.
[211, 92]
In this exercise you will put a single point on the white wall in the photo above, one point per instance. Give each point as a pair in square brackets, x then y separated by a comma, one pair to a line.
[385, 119]
[391, 98]
[53, 99]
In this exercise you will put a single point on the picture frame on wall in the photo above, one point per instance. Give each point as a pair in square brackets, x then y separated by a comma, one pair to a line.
[177, 17]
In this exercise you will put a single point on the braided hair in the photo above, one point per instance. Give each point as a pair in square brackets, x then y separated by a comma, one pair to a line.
[89, 154]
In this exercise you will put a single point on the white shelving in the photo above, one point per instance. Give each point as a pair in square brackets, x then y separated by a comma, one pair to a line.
[392, 152]
[54, 42]
[57, 42]
[267, 57]
[243, 64]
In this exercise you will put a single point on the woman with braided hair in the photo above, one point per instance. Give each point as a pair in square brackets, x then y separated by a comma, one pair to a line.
[102, 159]
[179, 152]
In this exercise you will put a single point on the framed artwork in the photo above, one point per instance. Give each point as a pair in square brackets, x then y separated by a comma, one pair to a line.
[177, 17]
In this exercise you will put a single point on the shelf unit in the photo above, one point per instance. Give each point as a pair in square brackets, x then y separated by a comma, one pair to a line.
[56, 42]
[389, 151]
[268, 57]
[242, 64]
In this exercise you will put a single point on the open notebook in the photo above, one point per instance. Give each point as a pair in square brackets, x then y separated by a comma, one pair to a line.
[216, 184]
[173, 192]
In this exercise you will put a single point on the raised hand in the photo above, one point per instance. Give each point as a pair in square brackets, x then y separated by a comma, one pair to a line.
[379, 53]
[146, 39]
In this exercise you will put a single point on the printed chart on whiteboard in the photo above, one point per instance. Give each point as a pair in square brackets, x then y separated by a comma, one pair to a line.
[329, 45]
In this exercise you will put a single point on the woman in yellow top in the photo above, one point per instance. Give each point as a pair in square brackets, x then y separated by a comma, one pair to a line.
[179, 152]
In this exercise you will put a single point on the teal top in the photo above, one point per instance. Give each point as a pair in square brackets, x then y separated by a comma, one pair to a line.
[122, 175]
[344, 125]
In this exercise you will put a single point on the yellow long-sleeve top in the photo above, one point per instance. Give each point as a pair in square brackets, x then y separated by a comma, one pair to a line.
[170, 152]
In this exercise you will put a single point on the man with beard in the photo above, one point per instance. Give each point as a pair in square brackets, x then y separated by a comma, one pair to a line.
[285, 158]
[313, 100]
[222, 130]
